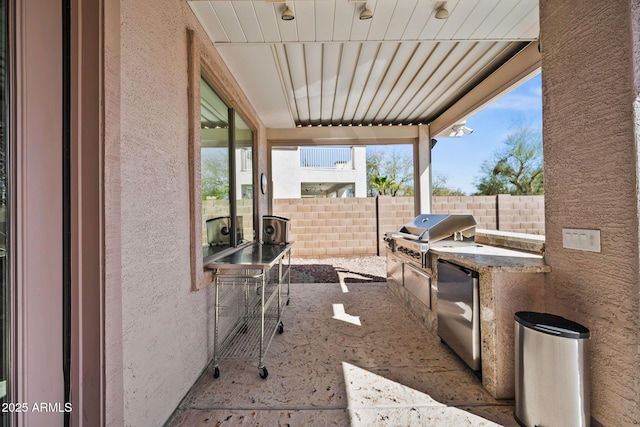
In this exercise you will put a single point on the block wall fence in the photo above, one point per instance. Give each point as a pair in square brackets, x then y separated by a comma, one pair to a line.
[323, 227]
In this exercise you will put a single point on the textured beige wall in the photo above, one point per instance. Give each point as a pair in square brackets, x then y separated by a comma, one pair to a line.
[114, 398]
[167, 329]
[590, 152]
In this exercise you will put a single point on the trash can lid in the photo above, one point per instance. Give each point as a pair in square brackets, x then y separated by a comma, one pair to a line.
[552, 324]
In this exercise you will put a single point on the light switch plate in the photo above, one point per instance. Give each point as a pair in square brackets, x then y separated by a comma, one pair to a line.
[581, 240]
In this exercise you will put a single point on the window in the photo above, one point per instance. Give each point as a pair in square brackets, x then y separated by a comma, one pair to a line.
[244, 179]
[226, 144]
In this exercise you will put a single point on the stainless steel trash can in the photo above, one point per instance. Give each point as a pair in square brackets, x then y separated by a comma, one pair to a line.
[551, 371]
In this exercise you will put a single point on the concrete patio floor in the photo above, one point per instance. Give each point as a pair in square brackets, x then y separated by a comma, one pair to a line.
[350, 355]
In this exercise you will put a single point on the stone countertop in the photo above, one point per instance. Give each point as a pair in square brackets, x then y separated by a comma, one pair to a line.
[486, 259]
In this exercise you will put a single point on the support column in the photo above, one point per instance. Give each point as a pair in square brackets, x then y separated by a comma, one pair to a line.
[591, 182]
[422, 167]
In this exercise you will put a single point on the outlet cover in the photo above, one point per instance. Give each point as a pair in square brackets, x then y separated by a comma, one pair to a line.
[581, 240]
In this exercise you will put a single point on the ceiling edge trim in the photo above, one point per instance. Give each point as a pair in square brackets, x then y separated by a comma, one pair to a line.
[521, 67]
[333, 135]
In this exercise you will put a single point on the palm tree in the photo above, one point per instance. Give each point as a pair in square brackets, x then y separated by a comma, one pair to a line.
[382, 184]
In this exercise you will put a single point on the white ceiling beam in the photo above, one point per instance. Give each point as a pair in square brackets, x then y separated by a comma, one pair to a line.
[332, 135]
[378, 40]
[520, 68]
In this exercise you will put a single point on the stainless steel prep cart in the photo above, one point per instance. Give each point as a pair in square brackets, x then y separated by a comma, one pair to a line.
[248, 290]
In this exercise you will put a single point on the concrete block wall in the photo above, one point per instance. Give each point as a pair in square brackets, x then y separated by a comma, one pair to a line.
[483, 208]
[393, 212]
[522, 214]
[323, 227]
[355, 226]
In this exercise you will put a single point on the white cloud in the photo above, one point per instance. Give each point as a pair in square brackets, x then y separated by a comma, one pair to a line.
[519, 102]
[526, 97]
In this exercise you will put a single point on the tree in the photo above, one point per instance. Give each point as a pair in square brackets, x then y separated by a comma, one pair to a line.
[382, 184]
[439, 187]
[215, 174]
[389, 172]
[516, 169]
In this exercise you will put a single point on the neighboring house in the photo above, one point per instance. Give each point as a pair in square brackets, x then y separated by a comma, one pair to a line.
[319, 172]
[244, 166]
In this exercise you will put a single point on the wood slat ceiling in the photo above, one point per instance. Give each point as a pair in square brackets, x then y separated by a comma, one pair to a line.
[328, 67]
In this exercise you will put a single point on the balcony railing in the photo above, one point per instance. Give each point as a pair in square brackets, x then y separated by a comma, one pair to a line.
[246, 159]
[326, 157]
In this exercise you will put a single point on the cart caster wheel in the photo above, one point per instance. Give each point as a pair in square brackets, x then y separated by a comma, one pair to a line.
[263, 372]
[216, 372]
[280, 328]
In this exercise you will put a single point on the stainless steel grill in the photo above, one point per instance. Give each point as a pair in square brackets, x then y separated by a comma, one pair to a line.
[409, 271]
[414, 238]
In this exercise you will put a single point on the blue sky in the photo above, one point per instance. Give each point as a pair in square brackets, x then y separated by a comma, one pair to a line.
[459, 159]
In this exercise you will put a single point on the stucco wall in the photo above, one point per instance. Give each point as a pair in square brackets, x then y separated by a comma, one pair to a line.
[166, 327]
[590, 152]
[286, 173]
[114, 413]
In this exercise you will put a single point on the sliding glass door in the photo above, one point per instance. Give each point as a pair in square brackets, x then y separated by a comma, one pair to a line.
[4, 225]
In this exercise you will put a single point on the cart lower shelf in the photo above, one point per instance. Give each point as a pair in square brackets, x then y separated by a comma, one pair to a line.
[244, 341]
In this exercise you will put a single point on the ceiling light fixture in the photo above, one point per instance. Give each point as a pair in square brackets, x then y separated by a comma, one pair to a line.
[287, 14]
[366, 13]
[442, 13]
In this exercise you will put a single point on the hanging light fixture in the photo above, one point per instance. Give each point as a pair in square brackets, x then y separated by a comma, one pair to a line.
[442, 12]
[366, 13]
[287, 14]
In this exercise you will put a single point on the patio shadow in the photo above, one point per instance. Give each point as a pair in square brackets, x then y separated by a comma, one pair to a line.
[314, 273]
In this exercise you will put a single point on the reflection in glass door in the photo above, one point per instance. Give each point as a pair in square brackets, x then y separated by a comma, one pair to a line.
[4, 283]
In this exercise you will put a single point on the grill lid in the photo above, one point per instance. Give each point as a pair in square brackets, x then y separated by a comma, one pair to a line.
[434, 227]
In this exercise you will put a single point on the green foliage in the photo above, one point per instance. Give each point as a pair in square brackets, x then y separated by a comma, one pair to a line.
[516, 169]
[439, 187]
[389, 172]
[382, 184]
[215, 175]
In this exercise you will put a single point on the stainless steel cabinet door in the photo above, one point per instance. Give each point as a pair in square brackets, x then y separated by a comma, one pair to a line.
[394, 270]
[459, 311]
[418, 283]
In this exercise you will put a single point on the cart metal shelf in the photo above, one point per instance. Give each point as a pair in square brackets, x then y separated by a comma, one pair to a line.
[249, 291]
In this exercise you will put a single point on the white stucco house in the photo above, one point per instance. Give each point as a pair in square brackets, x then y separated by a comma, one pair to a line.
[319, 172]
